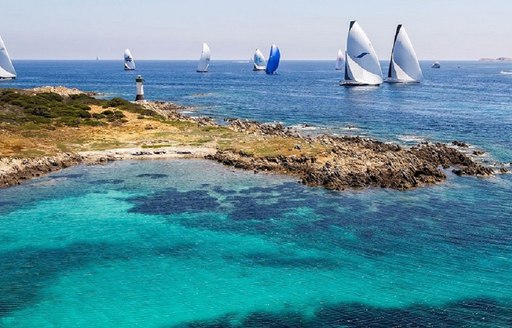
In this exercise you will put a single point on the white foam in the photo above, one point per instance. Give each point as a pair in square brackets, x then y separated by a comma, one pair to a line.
[304, 127]
[411, 138]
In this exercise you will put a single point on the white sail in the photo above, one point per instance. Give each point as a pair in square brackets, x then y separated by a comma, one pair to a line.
[404, 66]
[259, 61]
[129, 63]
[7, 71]
[361, 62]
[339, 60]
[204, 61]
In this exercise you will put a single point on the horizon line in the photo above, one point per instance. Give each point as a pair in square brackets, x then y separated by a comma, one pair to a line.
[483, 59]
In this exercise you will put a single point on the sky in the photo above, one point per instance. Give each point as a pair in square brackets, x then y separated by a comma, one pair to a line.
[303, 29]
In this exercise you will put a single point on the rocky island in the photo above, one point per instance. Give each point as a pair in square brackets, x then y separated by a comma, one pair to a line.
[50, 128]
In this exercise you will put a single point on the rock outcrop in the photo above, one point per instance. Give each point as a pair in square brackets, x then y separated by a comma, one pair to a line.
[354, 162]
[14, 171]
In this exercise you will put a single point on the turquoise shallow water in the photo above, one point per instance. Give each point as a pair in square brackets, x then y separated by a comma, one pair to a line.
[193, 244]
[162, 244]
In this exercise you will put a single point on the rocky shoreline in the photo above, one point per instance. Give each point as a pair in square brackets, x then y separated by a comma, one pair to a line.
[340, 163]
[354, 162]
[14, 171]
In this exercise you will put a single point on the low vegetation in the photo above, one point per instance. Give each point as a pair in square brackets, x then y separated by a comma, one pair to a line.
[34, 124]
[20, 107]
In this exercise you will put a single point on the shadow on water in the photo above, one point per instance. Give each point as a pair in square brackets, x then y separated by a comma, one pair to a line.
[24, 272]
[171, 201]
[288, 210]
[466, 313]
[154, 176]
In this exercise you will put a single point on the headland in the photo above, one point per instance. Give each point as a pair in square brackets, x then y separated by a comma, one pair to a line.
[49, 128]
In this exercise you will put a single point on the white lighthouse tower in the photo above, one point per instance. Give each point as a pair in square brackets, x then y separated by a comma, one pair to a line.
[140, 88]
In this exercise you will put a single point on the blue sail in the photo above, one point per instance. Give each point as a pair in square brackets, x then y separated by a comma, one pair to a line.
[273, 60]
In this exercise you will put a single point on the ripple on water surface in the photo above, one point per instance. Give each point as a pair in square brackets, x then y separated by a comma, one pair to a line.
[161, 243]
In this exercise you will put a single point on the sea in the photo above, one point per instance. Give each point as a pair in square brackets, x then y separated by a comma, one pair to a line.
[191, 243]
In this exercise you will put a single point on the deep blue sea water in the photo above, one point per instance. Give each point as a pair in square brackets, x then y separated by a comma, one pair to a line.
[162, 244]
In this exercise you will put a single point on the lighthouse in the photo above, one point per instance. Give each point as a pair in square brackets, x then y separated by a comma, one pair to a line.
[140, 88]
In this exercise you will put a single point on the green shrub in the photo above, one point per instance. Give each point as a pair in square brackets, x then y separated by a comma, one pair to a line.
[69, 121]
[50, 96]
[22, 107]
[90, 122]
[40, 111]
[81, 107]
[84, 114]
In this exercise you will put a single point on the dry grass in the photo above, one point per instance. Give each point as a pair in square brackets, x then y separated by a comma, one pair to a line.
[34, 140]
[271, 146]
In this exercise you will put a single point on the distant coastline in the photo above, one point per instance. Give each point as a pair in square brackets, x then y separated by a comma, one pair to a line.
[497, 60]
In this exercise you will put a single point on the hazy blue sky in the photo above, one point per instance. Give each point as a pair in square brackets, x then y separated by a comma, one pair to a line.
[303, 29]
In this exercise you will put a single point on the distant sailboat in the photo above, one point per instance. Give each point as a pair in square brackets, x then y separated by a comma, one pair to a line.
[129, 63]
[273, 60]
[404, 66]
[259, 61]
[7, 71]
[339, 60]
[204, 61]
[361, 62]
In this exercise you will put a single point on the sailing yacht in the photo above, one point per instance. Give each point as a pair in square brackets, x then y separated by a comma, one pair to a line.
[7, 71]
[339, 60]
[259, 61]
[204, 60]
[129, 63]
[403, 66]
[273, 60]
[361, 62]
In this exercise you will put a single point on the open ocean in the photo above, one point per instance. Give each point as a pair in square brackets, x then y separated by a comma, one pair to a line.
[190, 243]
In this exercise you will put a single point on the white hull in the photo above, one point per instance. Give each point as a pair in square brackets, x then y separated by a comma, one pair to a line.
[401, 81]
[357, 84]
